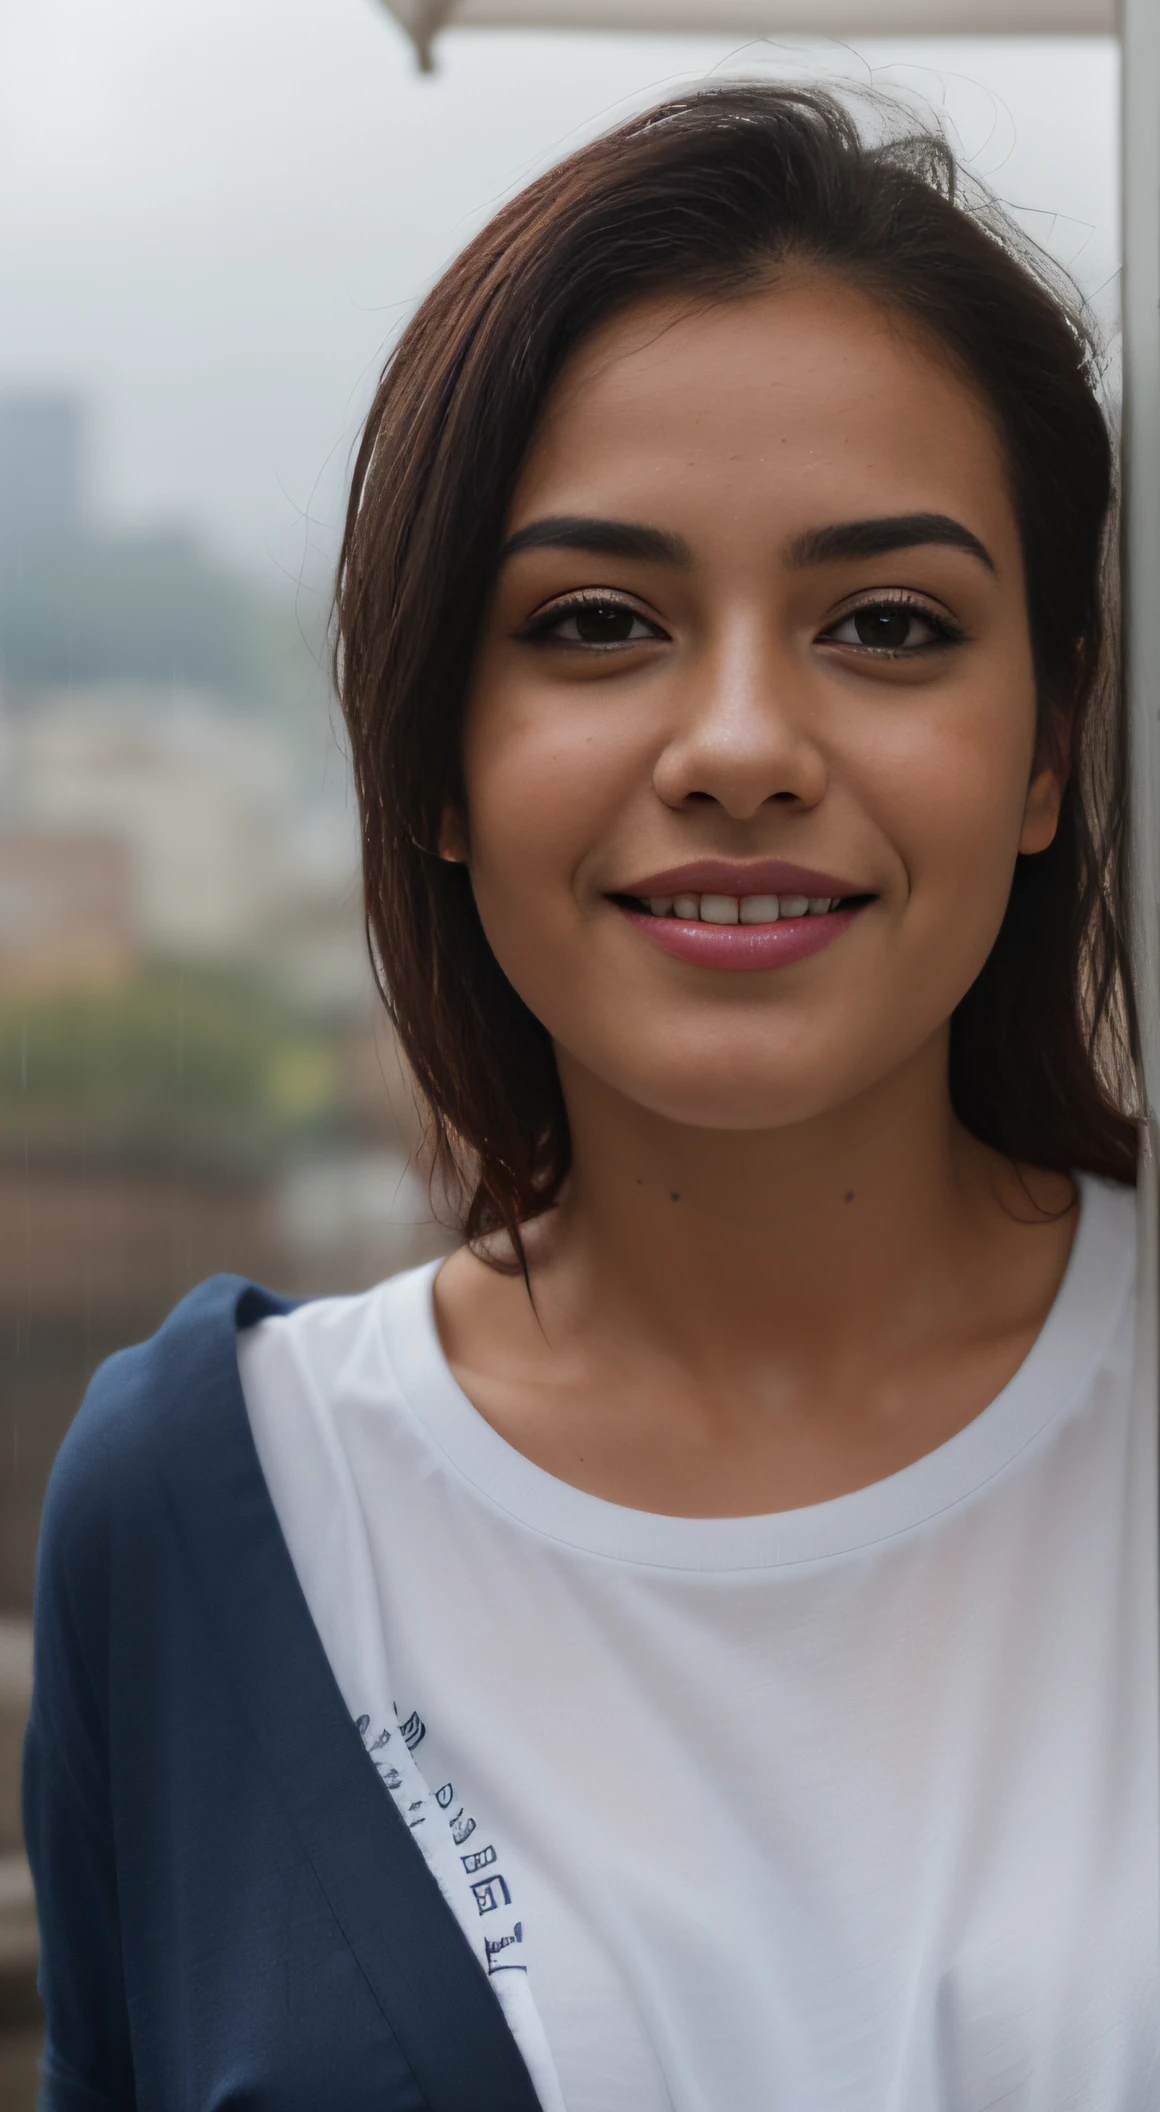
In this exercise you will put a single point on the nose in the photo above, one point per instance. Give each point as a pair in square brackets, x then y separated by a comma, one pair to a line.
[744, 733]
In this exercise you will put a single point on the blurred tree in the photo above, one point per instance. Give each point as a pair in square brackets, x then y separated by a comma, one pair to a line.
[177, 1067]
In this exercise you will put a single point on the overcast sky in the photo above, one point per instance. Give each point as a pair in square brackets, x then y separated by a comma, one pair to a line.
[215, 213]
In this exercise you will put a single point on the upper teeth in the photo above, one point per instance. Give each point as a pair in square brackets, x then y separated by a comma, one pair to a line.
[739, 909]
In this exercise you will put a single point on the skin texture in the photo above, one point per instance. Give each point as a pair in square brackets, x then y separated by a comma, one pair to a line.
[781, 1269]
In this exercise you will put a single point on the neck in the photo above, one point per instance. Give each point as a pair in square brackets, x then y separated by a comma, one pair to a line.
[835, 1231]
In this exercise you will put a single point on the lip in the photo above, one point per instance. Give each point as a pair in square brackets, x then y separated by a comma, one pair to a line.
[756, 876]
[742, 946]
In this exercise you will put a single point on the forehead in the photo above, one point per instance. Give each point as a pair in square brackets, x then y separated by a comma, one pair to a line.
[803, 394]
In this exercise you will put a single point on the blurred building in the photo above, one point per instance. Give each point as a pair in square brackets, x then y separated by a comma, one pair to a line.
[155, 703]
[224, 846]
[65, 911]
[81, 603]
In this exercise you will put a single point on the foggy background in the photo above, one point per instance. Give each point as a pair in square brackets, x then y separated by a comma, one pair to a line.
[214, 217]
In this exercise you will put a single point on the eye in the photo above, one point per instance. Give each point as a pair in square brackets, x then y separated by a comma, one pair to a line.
[590, 620]
[892, 628]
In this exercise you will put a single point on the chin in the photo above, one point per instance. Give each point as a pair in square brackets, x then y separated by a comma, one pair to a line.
[732, 1102]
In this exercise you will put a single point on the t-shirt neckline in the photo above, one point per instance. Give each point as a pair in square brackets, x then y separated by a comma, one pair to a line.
[1052, 1377]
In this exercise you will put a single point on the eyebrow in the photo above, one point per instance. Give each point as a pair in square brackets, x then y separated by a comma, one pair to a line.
[578, 531]
[815, 546]
[872, 538]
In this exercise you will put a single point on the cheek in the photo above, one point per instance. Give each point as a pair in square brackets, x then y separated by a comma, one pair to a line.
[950, 797]
[544, 787]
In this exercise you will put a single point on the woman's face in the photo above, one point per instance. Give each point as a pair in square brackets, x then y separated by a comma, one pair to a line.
[750, 746]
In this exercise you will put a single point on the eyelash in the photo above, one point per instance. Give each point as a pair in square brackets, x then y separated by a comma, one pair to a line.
[946, 631]
[540, 629]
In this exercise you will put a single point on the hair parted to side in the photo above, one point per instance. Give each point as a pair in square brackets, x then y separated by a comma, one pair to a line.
[706, 195]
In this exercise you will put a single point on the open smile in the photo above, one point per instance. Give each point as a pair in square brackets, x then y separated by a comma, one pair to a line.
[764, 915]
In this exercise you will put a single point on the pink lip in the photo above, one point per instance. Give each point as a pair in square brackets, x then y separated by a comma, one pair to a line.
[743, 945]
[757, 876]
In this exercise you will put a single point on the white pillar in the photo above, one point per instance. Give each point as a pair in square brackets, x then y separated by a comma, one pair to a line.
[1141, 192]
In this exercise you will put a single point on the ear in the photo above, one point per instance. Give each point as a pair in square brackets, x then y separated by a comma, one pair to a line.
[1041, 812]
[453, 837]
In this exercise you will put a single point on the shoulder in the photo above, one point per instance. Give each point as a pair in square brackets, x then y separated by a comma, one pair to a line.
[1106, 1294]
[1111, 1216]
[145, 1405]
[329, 1344]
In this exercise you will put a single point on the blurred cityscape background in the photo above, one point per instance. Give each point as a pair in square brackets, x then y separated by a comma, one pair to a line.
[213, 217]
[190, 1076]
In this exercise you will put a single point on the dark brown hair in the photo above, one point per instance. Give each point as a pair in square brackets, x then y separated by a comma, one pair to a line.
[706, 195]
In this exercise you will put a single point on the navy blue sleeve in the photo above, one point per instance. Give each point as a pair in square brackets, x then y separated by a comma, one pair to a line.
[67, 1804]
[232, 1911]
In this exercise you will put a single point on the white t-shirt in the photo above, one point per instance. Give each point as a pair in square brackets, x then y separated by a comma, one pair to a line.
[854, 1808]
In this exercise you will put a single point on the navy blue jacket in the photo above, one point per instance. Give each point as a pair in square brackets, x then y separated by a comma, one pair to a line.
[232, 1912]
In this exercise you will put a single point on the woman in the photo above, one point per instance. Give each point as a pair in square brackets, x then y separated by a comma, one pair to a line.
[739, 1560]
